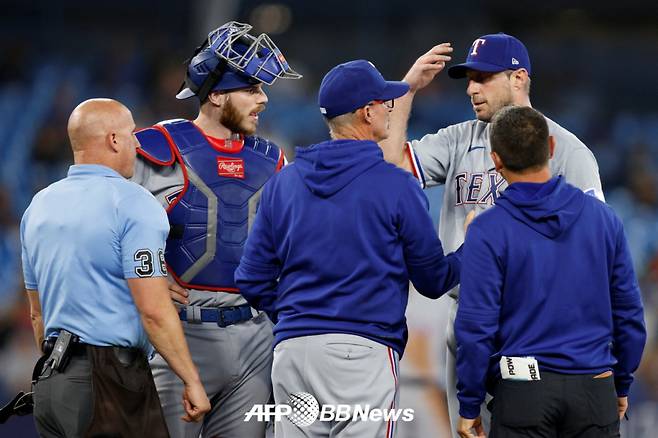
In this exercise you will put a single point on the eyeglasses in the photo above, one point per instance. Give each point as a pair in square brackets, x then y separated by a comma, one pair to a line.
[390, 104]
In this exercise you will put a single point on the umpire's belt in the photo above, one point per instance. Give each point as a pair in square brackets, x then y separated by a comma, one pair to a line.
[76, 348]
[223, 316]
[125, 355]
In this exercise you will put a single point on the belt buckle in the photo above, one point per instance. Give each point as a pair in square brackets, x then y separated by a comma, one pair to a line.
[221, 321]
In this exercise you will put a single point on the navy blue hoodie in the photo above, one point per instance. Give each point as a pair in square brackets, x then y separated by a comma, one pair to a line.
[338, 235]
[546, 273]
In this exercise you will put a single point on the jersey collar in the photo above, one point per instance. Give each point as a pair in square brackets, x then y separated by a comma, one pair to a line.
[92, 169]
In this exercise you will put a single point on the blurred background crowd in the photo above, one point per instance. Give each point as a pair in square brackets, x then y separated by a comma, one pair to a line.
[594, 69]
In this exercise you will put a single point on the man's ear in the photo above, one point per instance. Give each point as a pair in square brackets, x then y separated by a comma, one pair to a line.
[216, 98]
[498, 163]
[551, 146]
[367, 115]
[520, 78]
[112, 141]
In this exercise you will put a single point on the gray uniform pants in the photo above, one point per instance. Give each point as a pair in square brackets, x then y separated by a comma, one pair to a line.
[451, 376]
[234, 363]
[336, 369]
[63, 402]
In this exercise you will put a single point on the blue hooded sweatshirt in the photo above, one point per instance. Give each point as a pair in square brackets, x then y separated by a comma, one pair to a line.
[546, 273]
[337, 237]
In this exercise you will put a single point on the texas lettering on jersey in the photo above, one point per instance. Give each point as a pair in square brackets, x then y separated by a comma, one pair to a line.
[478, 187]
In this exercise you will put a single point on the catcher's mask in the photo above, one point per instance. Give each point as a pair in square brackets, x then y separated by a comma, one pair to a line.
[230, 58]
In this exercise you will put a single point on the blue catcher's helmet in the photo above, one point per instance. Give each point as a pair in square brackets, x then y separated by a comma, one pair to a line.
[231, 59]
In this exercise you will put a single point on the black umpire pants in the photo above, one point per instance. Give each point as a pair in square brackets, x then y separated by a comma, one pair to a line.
[102, 392]
[557, 406]
[63, 402]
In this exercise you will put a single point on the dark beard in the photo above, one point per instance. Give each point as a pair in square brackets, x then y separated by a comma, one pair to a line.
[232, 119]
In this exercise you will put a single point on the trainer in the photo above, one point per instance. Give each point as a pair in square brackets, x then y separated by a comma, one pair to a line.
[338, 235]
[550, 318]
[96, 281]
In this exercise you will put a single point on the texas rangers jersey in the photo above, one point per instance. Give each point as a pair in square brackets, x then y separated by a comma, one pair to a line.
[458, 156]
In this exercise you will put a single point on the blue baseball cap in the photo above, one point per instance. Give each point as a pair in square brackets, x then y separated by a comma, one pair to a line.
[493, 53]
[351, 85]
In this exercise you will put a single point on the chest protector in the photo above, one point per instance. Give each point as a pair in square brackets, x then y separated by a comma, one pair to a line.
[211, 216]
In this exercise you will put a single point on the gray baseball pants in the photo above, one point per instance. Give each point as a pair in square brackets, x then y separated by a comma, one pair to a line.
[234, 363]
[336, 369]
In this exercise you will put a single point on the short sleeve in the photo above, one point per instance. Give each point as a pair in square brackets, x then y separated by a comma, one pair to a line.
[144, 229]
[433, 151]
[582, 171]
[573, 160]
[28, 271]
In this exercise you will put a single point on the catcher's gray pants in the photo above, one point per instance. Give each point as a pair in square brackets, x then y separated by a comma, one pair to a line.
[234, 363]
[451, 377]
[336, 369]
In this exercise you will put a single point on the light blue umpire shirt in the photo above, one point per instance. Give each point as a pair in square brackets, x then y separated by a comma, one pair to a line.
[82, 237]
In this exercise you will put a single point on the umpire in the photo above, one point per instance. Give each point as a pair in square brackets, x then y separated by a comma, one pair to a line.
[550, 318]
[96, 282]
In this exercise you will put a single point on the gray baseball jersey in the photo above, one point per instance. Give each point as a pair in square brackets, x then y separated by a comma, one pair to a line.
[458, 157]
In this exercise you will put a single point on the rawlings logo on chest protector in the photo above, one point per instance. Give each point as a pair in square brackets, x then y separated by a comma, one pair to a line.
[230, 167]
